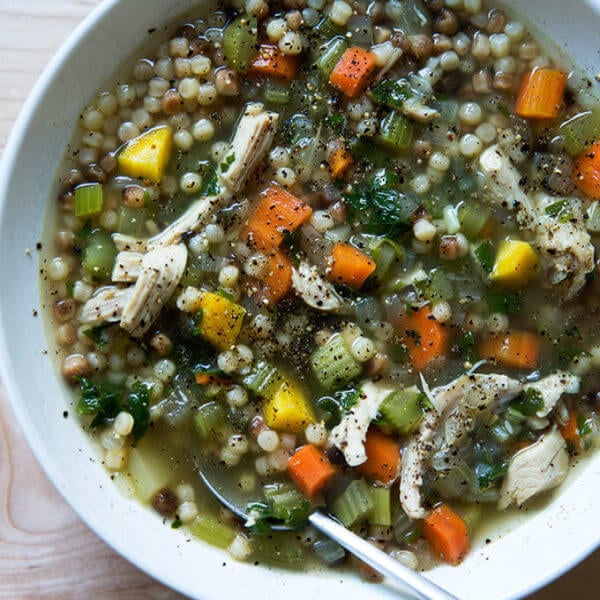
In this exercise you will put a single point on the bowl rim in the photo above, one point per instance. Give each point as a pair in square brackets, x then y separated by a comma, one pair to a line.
[13, 392]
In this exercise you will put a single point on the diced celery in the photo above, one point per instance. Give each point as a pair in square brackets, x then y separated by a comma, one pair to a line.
[149, 469]
[580, 131]
[439, 286]
[396, 131]
[208, 418]
[263, 380]
[240, 40]
[132, 221]
[333, 365]
[355, 504]
[212, 530]
[277, 93]
[89, 199]
[327, 29]
[470, 513]
[473, 218]
[330, 55]
[381, 514]
[99, 253]
[280, 547]
[405, 530]
[403, 409]
[385, 253]
[287, 504]
[593, 214]
[330, 552]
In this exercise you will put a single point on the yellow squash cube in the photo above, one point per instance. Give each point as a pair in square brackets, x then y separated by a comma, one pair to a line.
[147, 155]
[222, 320]
[516, 263]
[288, 410]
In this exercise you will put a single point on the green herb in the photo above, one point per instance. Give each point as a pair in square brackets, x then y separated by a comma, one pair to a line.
[529, 402]
[225, 294]
[98, 335]
[465, 347]
[102, 401]
[176, 524]
[485, 256]
[210, 185]
[503, 110]
[392, 93]
[331, 411]
[584, 425]
[568, 355]
[227, 162]
[197, 318]
[69, 284]
[336, 122]
[561, 210]
[347, 399]
[137, 404]
[508, 304]
[488, 473]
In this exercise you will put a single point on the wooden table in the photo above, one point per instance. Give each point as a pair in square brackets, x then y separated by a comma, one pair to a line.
[45, 550]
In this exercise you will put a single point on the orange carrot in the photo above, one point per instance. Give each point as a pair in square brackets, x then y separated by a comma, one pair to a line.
[271, 62]
[310, 470]
[570, 431]
[349, 265]
[425, 338]
[383, 457]
[541, 94]
[587, 171]
[447, 533]
[276, 213]
[352, 72]
[339, 159]
[210, 379]
[276, 281]
[517, 349]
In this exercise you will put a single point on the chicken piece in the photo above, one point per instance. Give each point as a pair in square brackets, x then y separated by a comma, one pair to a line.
[416, 109]
[551, 388]
[350, 435]
[161, 272]
[106, 305]
[317, 292]
[534, 469]
[127, 267]
[456, 406]
[128, 243]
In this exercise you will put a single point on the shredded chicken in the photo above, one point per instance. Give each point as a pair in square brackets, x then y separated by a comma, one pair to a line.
[106, 305]
[538, 467]
[349, 436]
[127, 267]
[317, 292]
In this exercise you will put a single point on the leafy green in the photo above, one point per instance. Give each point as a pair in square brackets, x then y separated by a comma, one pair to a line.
[529, 402]
[137, 404]
[508, 304]
[503, 110]
[487, 473]
[465, 347]
[485, 256]
[560, 210]
[392, 93]
[336, 122]
[98, 335]
[227, 162]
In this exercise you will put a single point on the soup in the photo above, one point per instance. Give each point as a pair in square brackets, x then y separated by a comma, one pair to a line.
[345, 254]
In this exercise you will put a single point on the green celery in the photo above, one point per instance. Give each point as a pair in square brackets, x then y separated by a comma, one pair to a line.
[333, 365]
[330, 552]
[405, 530]
[396, 131]
[355, 504]
[381, 514]
[89, 199]
[593, 221]
[403, 409]
[263, 380]
[277, 93]
[330, 55]
[580, 131]
[470, 513]
[98, 255]
[208, 418]
[485, 256]
[132, 221]
[240, 40]
[280, 547]
[212, 530]
[472, 220]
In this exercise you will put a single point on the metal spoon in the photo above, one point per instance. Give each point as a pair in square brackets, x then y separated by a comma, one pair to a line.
[373, 556]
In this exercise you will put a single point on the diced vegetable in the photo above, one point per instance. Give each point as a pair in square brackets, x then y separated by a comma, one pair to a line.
[147, 155]
[278, 212]
[221, 321]
[149, 469]
[205, 378]
[271, 62]
[208, 418]
[239, 42]
[99, 253]
[339, 160]
[333, 364]
[287, 504]
[484, 254]
[516, 263]
[132, 221]
[288, 409]
[396, 131]
[517, 349]
[580, 131]
[406, 530]
[352, 72]
[470, 513]
[277, 93]
[354, 505]
[212, 530]
[593, 221]
[570, 431]
[381, 514]
[310, 469]
[587, 171]
[473, 219]
[89, 199]
[425, 338]
[263, 380]
[330, 55]
[541, 94]
[330, 552]
[276, 281]
[447, 533]
[383, 458]
[350, 266]
[392, 93]
[283, 548]
[403, 409]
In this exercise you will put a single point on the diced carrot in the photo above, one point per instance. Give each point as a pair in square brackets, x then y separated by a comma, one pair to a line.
[383, 457]
[339, 160]
[277, 213]
[447, 533]
[521, 445]
[425, 338]
[570, 431]
[310, 470]
[541, 94]
[517, 349]
[352, 72]
[271, 62]
[276, 282]
[350, 266]
[587, 171]
[210, 379]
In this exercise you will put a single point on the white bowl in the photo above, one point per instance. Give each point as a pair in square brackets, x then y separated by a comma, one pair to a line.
[525, 557]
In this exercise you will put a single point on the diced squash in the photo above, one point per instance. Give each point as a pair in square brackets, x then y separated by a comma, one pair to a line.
[221, 320]
[147, 155]
[339, 160]
[271, 62]
[288, 409]
[515, 263]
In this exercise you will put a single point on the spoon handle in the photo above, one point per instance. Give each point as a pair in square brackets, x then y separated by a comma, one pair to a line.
[379, 560]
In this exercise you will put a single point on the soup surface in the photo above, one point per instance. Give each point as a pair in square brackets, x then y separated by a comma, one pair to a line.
[341, 255]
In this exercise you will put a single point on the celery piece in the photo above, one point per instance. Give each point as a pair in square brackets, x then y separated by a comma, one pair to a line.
[405, 530]
[264, 379]
[333, 365]
[381, 514]
[149, 469]
[277, 93]
[396, 131]
[472, 220]
[330, 552]
[212, 530]
[280, 547]
[470, 513]
[355, 504]
[240, 40]
[98, 255]
[439, 286]
[208, 418]
[403, 409]
[89, 199]
[287, 504]
[327, 29]
[132, 221]
[593, 221]
[330, 55]
[580, 131]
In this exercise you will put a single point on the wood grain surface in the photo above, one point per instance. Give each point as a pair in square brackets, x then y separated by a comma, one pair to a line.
[45, 550]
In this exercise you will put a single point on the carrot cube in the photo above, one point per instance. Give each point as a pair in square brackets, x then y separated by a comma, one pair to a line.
[352, 72]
